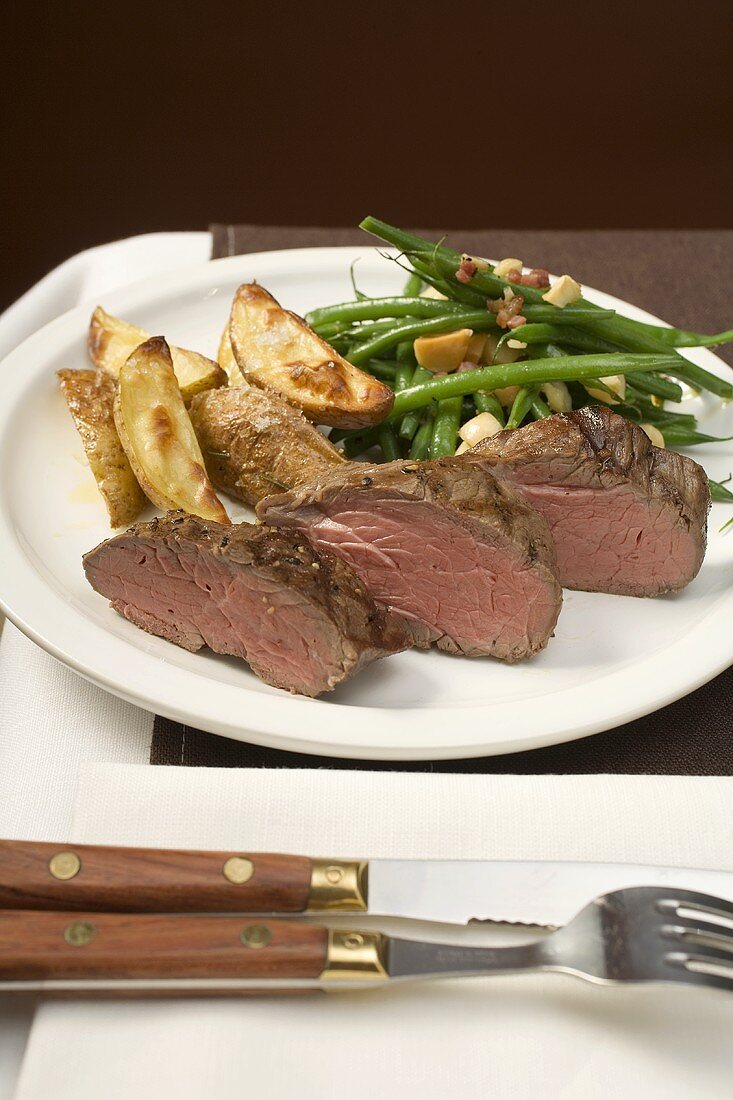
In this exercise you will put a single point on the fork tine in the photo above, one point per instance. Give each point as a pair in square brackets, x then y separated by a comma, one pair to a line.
[689, 931]
[704, 903]
[711, 968]
[702, 953]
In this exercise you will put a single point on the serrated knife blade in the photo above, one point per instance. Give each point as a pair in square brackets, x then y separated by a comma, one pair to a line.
[536, 893]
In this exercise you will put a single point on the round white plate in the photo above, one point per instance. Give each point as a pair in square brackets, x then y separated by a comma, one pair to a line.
[612, 659]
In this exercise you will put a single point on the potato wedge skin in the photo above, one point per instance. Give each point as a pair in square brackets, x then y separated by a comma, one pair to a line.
[111, 341]
[254, 444]
[157, 435]
[278, 351]
[90, 395]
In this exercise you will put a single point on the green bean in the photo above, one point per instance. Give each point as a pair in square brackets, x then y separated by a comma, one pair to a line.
[445, 427]
[539, 408]
[682, 420]
[332, 329]
[489, 403]
[423, 435]
[403, 376]
[388, 442]
[549, 333]
[680, 338]
[678, 436]
[369, 329]
[381, 368]
[565, 368]
[655, 384]
[457, 292]
[413, 286]
[672, 337]
[405, 352]
[700, 379]
[521, 406]
[719, 493]
[537, 312]
[629, 336]
[645, 410]
[411, 422]
[378, 308]
[410, 330]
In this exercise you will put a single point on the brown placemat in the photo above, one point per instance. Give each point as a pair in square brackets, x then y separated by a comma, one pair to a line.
[657, 271]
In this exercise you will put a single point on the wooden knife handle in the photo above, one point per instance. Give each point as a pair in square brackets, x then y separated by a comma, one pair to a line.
[92, 877]
[42, 946]
[155, 954]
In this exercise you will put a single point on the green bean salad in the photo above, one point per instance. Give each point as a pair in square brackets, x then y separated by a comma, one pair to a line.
[471, 348]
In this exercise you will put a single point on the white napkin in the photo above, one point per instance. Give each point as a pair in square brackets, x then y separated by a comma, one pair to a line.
[516, 1037]
[50, 719]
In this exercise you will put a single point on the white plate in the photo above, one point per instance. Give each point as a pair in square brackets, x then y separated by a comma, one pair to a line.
[612, 659]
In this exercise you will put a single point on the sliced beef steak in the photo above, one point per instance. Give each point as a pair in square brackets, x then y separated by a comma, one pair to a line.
[299, 617]
[452, 550]
[626, 517]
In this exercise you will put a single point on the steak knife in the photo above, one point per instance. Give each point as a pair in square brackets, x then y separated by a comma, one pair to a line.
[114, 879]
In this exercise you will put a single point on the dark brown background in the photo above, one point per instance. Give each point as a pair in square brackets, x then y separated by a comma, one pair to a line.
[512, 114]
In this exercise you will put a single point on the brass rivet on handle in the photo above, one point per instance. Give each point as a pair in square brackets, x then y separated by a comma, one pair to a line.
[238, 870]
[79, 933]
[64, 865]
[255, 935]
[353, 940]
[334, 875]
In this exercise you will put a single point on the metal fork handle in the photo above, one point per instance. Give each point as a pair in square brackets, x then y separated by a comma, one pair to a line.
[413, 959]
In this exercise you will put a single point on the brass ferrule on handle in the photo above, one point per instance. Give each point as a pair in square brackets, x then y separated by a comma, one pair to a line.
[355, 956]
[338, 885]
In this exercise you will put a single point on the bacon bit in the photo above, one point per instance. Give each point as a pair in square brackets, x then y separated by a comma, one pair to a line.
[508, 313]
[516, 322]
[537, 277]
[466, 270]
[466, 365]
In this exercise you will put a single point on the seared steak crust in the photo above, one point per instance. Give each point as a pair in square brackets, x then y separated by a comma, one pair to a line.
[300, 617]
[627, 517]
[443, 543]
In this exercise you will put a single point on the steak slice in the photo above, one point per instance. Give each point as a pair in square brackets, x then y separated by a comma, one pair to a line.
[626, 517]
[299, 617]
[452, 550]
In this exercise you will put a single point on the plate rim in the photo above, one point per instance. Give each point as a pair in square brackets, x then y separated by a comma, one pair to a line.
[277, 714]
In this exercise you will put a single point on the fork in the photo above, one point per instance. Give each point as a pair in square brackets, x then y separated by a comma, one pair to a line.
[640, 934]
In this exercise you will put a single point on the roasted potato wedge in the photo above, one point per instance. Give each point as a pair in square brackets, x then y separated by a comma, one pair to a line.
[278, 351]
[90, 395]
[228, 362]
[156, 432]
[255, 444]
[112, 340]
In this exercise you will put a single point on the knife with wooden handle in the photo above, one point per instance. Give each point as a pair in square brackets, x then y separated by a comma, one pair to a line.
[36, 875]
[157, 953]
[90, 877]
